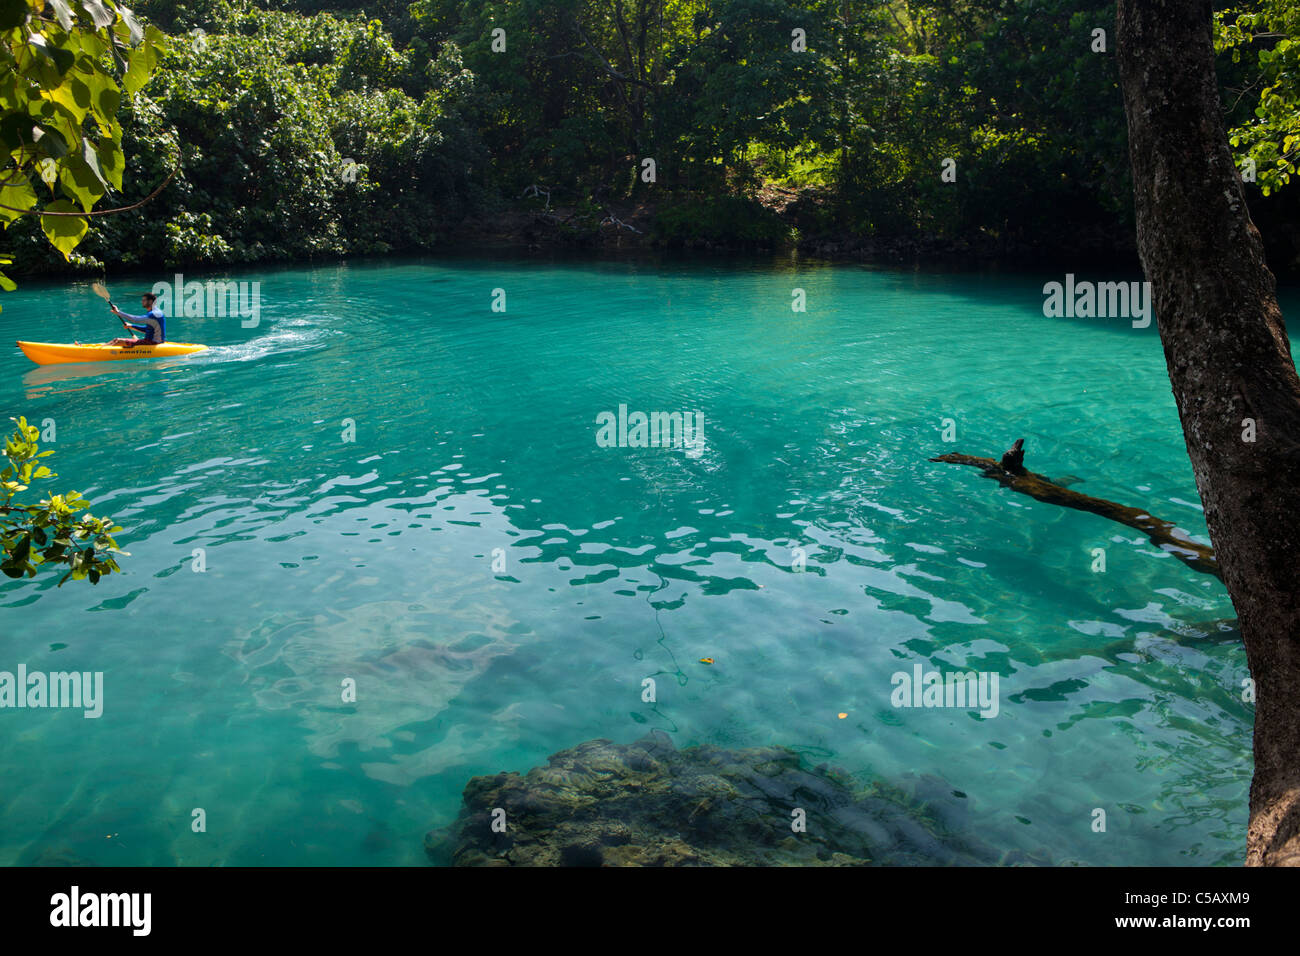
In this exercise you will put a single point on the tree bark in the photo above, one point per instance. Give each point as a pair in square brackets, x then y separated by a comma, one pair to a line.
[1229, 360]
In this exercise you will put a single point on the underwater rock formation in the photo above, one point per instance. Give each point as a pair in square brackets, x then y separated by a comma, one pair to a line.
[649, 804]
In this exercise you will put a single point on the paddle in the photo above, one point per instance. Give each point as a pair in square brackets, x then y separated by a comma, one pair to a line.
[102, 291]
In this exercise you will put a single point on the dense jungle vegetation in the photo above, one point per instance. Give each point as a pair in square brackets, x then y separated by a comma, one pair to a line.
[305, 129]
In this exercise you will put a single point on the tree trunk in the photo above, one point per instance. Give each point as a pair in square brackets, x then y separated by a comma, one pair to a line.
[1229, 360]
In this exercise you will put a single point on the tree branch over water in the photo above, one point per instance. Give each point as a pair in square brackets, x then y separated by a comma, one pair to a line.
[1010, 473]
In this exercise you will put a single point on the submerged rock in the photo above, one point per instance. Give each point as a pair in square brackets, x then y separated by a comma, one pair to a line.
[649, 804]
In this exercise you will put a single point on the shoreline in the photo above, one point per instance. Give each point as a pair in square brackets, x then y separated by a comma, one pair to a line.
[552, 236]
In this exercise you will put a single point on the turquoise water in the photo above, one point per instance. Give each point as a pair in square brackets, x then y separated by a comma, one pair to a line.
[372, 559]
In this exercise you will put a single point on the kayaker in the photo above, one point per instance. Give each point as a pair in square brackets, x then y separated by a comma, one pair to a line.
[150, 324]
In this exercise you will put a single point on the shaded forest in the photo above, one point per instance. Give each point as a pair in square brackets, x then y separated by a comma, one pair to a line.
[960, 129]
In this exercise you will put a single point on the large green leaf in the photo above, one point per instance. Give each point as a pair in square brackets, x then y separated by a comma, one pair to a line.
[111, 162]
[105, 97]
[142, 60]
[64, 232]
[50, 140]
[81, 181]
[19, 195]
[138, 68]
[135, 32]
[92, 161]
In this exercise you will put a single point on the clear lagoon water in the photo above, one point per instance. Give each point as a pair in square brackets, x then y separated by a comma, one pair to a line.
[475, 443]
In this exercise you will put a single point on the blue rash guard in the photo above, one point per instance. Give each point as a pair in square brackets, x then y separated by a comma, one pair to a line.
[152, 327]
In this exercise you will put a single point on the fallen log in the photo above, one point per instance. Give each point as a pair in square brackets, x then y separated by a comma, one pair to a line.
[1010, 473]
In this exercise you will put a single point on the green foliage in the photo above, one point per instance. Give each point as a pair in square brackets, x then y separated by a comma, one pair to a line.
[296, 137]
[369, 61]
[1265, 38]
[311, 128]
[65, 66]
[738, 82]
[48, 532]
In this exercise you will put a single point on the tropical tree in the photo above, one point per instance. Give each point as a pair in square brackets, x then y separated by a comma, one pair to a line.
[1232, 374]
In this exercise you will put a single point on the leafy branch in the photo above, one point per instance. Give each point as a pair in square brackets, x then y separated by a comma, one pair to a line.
[48, 532]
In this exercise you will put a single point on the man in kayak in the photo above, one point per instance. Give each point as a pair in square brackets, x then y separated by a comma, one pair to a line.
[150, 324]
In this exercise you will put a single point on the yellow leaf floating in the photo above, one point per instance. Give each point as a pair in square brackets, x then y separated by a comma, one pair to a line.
[706, 660]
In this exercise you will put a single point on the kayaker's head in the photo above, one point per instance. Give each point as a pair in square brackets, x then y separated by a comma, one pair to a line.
[147, 300]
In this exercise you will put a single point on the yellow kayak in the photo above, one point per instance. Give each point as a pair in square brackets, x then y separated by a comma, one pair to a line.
[52, 353]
